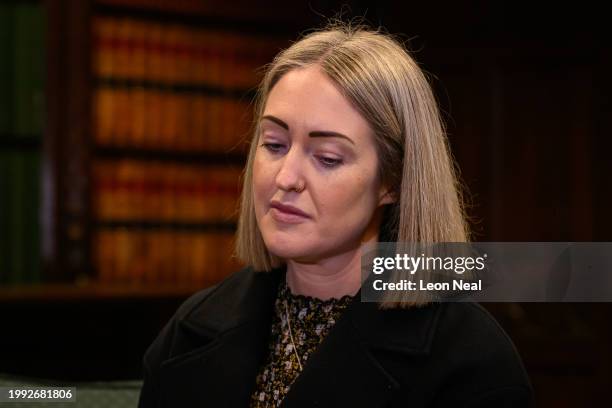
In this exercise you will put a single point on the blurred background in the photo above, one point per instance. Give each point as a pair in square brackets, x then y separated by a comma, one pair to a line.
[123, 128]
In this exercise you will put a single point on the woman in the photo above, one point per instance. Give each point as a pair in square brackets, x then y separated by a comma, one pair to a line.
[348, 149]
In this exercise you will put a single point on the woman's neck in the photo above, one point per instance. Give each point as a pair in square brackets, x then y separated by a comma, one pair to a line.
[331, 278]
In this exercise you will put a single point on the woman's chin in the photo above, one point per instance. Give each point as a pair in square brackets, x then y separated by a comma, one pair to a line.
[287, 253]
[289, 249]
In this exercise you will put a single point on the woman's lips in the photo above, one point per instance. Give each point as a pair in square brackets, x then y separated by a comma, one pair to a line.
[287, 213]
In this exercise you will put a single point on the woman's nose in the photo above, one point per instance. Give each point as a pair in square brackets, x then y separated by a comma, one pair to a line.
[289, 176]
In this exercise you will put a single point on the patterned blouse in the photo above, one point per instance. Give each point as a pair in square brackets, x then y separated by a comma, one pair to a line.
[310, 320]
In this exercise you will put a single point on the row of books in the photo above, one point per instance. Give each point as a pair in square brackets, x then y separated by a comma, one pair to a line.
[20, 260]
[131, 48]
[163, 257]
[142, 190]
[146, 118]
[168, 87]
[21, 69]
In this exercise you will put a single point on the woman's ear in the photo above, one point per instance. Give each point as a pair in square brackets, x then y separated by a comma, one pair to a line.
[386, 196]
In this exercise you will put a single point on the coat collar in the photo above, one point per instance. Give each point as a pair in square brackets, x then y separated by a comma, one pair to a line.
[229, 335]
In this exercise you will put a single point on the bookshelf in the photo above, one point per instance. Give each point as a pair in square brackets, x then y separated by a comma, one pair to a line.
[137, 178]
[119, 184]
[170, 115]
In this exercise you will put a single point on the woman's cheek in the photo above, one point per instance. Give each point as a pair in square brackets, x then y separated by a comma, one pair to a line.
[365, 198]
[345, 206]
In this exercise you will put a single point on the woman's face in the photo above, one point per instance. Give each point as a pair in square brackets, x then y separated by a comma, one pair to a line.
[314, 173]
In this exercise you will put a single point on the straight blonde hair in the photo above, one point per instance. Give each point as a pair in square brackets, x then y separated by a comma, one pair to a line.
[378, 76]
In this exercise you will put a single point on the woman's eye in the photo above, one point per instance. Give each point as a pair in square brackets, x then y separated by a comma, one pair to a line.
[329, 161]
[273, 147]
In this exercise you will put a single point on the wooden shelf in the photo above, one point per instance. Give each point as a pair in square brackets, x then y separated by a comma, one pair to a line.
[219, 226]
[178, 87]
[170, 156]
[95, 291]
[237, 15]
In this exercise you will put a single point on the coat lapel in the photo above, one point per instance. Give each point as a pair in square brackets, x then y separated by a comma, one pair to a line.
[228, 344]
[230, 334]
[347, 369]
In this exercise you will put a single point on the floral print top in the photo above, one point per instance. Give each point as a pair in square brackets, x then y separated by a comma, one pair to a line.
[311, 320]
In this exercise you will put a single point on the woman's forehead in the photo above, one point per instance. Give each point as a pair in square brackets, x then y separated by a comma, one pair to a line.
[306, 99]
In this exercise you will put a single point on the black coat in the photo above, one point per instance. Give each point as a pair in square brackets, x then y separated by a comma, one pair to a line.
[442, 355]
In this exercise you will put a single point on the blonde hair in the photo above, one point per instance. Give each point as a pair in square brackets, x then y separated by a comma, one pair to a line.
[377, 75]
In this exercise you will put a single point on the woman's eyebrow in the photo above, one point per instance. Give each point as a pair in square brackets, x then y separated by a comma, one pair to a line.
[315, 133]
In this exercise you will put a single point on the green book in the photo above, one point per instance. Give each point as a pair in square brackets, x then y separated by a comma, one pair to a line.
[6, 68]
[28, 68]
[31, 220]
[4, 217]
[16, 248]
[20, 69]
[37, 66]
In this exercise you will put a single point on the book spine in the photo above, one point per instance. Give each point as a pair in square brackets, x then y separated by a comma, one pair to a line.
[31, 218]
[28, 69]
[37, 67]
[5, 232]
[6, 69]
[16, 217]
[21, 71]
